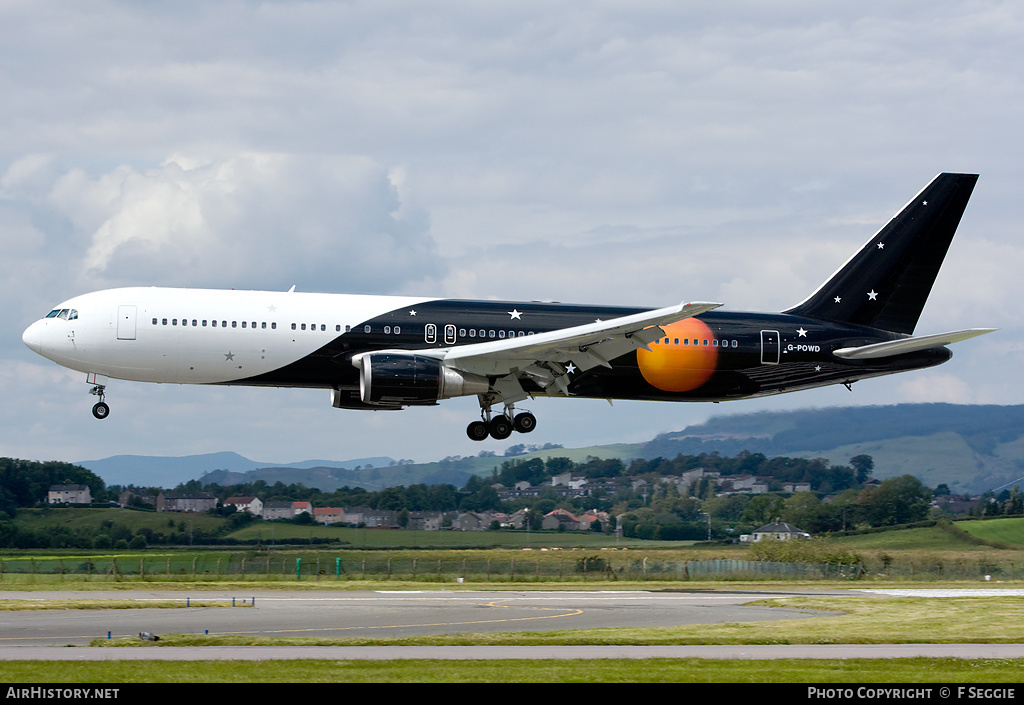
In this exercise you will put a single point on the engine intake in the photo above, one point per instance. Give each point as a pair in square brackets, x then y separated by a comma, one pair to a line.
[403, 378]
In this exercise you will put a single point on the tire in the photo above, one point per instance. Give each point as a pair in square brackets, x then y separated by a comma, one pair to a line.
[524, 422]
[501, 427]
[477, 431]
[101, 410]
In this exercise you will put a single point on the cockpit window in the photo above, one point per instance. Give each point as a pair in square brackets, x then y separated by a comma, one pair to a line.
[68, 314]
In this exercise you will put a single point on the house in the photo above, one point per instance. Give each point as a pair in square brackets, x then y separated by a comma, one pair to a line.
[796, 486]
[778, 530]
[744, 484]
[470, 521]
[133, 496]
[602, 518]
[328, 515]
[286, 510]
[425, 521]
[560, 518]
[179, 502]
[253, 505]
[69, 494]
[518, 518]
[370, 518]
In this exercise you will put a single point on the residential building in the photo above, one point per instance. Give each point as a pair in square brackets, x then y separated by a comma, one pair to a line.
[176, 502]
[69, 494]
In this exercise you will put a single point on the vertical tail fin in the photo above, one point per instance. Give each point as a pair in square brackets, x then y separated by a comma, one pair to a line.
[886, 283]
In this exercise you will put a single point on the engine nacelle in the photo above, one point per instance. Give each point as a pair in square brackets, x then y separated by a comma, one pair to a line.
[404, 378]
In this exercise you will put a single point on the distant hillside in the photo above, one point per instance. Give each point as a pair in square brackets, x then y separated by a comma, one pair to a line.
[157, 471]
[970, 448]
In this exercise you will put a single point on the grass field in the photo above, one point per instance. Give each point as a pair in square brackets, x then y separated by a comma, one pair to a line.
[653, 670]
[1006, 531]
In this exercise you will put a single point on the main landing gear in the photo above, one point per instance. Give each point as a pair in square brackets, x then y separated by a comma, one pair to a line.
[100, 409]
[500, 426]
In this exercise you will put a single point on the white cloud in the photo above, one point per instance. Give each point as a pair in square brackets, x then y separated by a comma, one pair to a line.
[254, 219]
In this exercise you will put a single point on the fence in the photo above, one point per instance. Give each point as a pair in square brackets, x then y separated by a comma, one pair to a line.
[376, 566]
[315, 567]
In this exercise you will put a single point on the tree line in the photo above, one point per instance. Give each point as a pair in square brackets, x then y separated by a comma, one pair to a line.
[650, 505]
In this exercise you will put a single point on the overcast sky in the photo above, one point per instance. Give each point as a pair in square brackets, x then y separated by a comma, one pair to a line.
[637, 153]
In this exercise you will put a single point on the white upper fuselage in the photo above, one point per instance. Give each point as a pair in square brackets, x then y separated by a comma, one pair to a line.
[197, 336]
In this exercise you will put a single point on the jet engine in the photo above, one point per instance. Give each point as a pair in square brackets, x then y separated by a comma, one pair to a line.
[388, 378]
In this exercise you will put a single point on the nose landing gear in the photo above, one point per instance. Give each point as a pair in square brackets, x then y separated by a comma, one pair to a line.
[100, 409]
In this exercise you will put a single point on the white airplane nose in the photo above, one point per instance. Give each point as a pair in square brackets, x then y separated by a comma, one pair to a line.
[32, 337]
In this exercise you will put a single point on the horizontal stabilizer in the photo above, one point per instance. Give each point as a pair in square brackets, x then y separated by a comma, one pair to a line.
[907, 345]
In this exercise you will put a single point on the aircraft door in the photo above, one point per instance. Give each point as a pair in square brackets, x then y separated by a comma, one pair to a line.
[126, 322]
[770, 347]
[449, 334]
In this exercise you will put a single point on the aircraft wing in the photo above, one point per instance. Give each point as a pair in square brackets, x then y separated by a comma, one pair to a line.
[906, 345]
[544, 356]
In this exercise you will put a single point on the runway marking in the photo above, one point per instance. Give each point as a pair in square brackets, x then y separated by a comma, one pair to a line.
[571, 613]
[495, 603]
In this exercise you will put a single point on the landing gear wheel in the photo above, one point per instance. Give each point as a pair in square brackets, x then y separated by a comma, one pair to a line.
[501, 427]
[524, 422]
[477, 431]
[100, 410]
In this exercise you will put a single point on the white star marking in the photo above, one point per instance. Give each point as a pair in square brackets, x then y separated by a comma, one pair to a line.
[881, 245]
[817, 368]
[516, 315]
[839, 300]
[570, 368]
[412, 313]
[801, 332]
[872, 295]
[271, 308]
[924, 203]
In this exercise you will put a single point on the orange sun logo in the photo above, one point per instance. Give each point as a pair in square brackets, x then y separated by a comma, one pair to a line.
[682, 359]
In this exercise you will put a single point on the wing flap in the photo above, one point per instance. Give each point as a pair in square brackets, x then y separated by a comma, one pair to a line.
[585, 346]
[906, 345]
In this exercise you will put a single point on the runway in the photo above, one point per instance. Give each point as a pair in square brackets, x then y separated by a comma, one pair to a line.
[375, 614]
[32, 635]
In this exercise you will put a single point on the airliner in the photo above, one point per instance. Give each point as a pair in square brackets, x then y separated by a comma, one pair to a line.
[392, 352]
